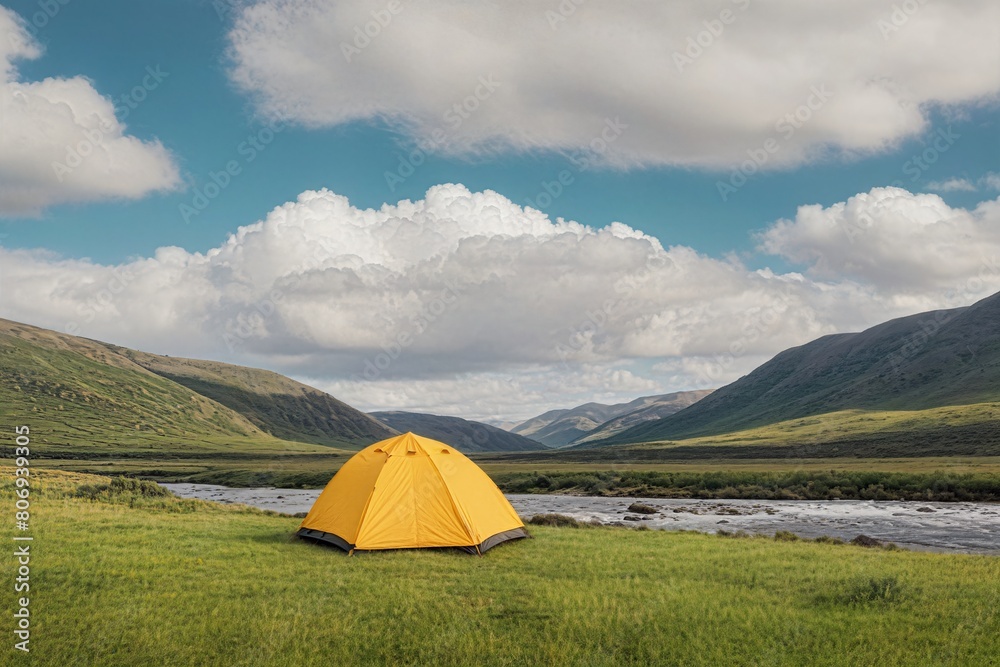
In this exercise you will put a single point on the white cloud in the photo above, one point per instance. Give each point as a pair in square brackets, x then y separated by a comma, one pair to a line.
[60, 140]
[893, 240]
[990, 181]
[469, 304]
[492, 396]
[561, 75]
[987, 182]
[953, 185]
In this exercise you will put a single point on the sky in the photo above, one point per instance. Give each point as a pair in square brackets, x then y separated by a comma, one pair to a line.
[494, 209]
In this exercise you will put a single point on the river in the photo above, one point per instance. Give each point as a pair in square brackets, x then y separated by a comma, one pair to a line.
[925, 526]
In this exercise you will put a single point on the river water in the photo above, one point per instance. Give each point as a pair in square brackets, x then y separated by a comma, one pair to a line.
[926, 526]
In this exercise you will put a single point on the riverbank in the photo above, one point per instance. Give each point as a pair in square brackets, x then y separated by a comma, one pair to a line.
[955, 527]
[761, 485]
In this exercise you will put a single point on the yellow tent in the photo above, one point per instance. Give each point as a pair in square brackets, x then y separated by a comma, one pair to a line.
[407, 492]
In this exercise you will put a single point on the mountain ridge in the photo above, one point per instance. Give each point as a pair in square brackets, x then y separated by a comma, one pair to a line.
[931, 359]
[570, 426]
[465, 434]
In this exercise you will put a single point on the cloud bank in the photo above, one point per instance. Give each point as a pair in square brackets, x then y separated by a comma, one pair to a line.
[697, 84]
[399, 306]
[60, 140]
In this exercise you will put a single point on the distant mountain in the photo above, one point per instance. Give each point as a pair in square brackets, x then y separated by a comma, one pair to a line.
[558, 428]
[529, 427]
[467, 436]
[933, 359]
[656, 407]
[85, 395]
[561, 427]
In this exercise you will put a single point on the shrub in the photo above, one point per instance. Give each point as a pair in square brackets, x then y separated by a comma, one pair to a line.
[122, 488]
[869, 590]
[738, 534]
[557, 520]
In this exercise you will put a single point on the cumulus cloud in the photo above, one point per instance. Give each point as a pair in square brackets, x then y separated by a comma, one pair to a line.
[893, 240]
[60, 140]
[696, 83]
[466, 303]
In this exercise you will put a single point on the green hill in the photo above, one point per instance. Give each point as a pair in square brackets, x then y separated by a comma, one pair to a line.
[933, 359]
[83, 397]
[272, 402]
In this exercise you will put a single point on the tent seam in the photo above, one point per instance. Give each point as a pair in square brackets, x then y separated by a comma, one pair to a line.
[451, 497]
[364, 512]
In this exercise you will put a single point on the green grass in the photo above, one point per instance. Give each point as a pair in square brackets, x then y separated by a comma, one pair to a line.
[958, 430]
[169, 582]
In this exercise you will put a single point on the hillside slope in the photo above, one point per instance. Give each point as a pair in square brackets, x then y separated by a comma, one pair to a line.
[83, 396]
[467, 436]
[274, 403]
[938, 358]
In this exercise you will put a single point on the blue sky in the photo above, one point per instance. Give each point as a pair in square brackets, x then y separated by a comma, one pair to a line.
[225, 72]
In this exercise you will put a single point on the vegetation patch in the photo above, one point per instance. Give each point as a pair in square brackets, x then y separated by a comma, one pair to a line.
[748, 484]
[140, 493]
[557, 521]
[873, 590]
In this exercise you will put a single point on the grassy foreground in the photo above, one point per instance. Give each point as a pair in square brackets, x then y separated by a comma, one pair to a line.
[133, 579]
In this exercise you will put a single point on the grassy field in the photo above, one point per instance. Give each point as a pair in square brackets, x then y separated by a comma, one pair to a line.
[958, 430]
[137, 580]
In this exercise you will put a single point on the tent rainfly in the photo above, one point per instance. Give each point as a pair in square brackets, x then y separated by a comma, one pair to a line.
[410, 492]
